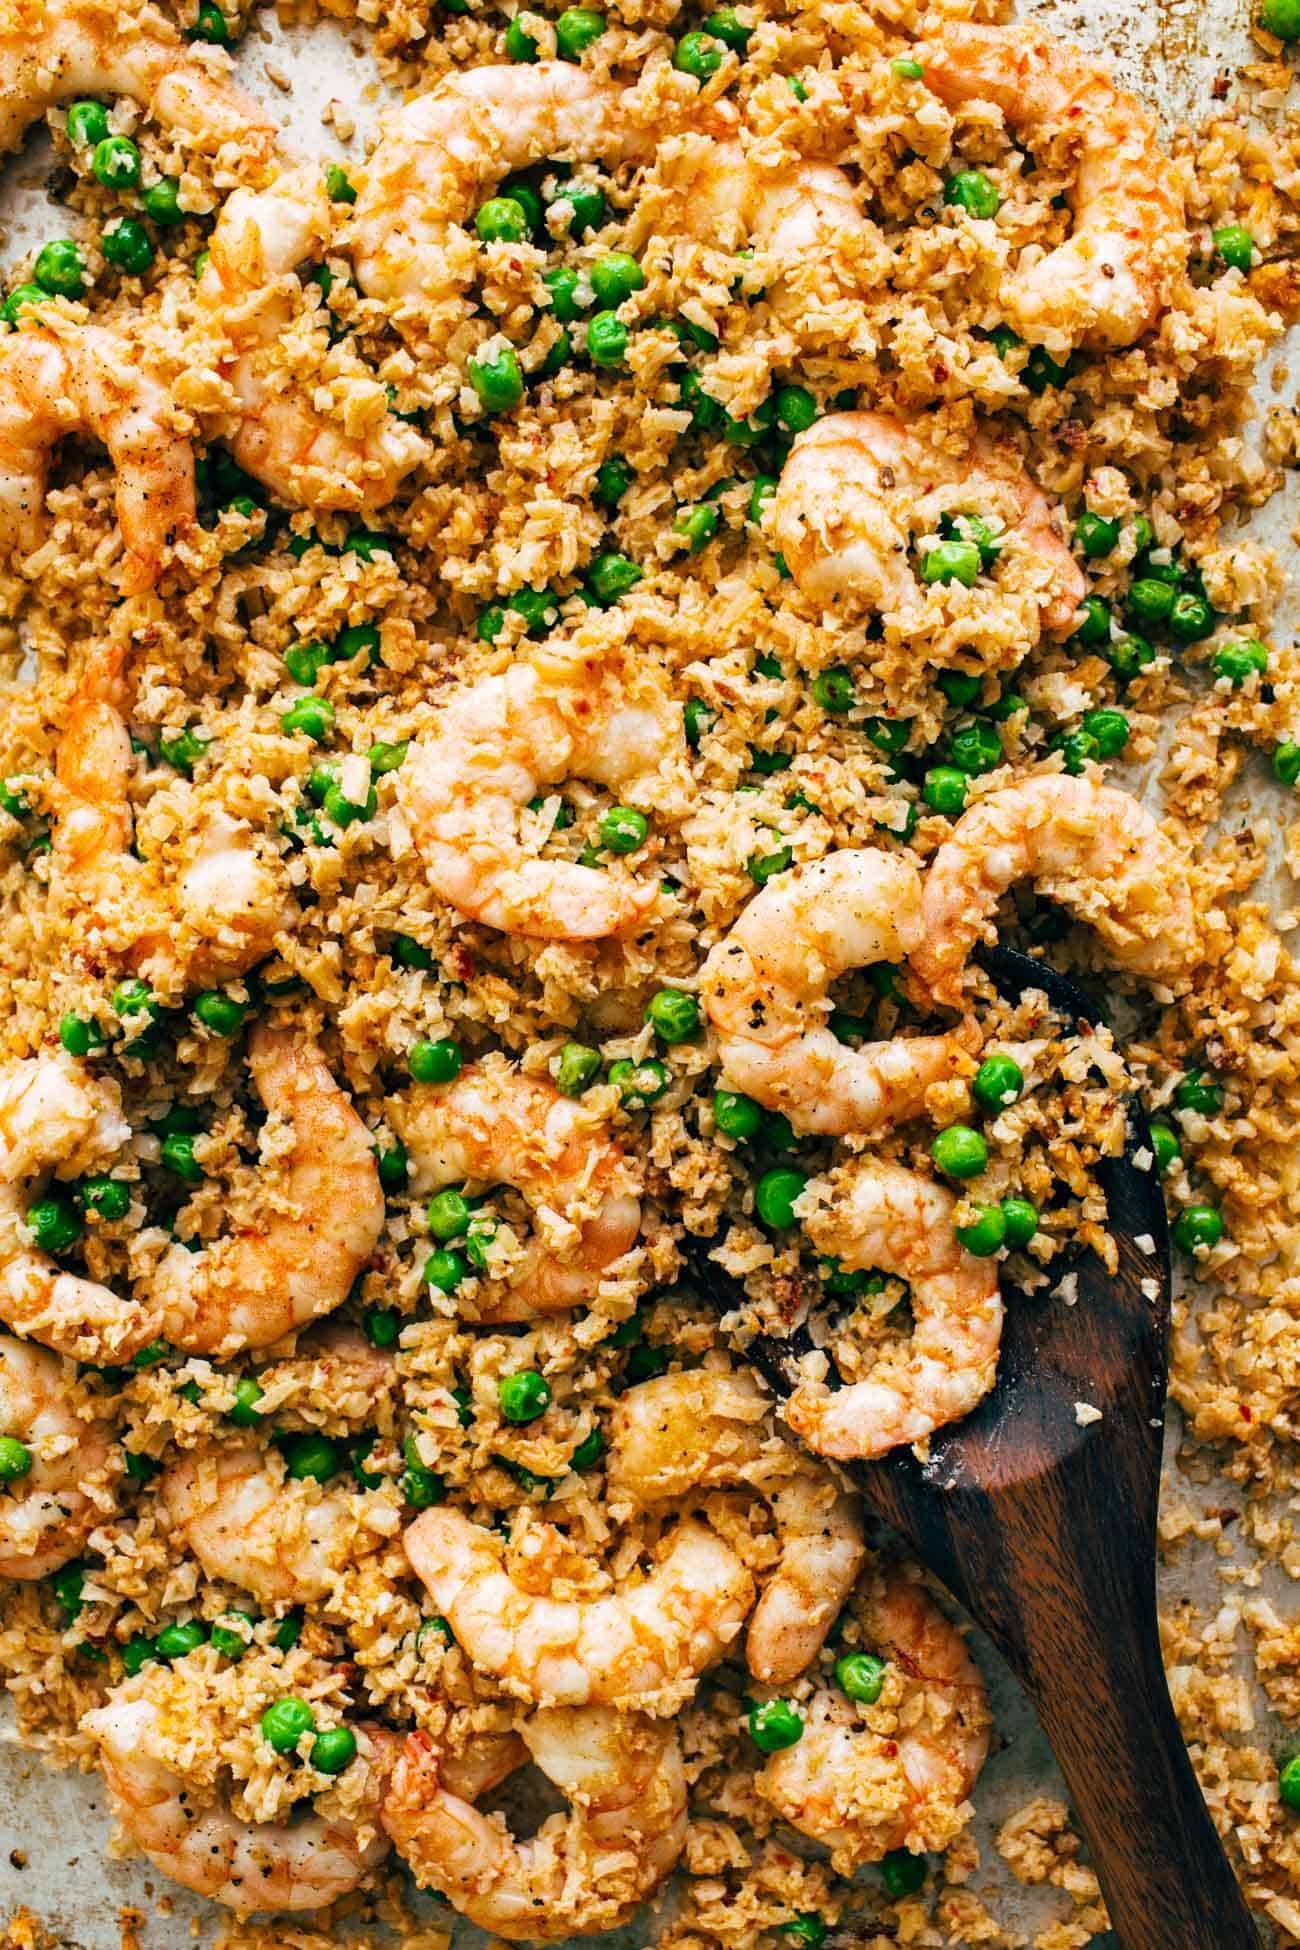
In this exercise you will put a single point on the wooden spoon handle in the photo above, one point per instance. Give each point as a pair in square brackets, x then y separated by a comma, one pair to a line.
[1099, 1686]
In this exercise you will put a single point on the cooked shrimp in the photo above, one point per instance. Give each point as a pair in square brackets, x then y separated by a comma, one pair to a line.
[55, 1113]
[765, 984]
[858, 486]
[583, 1871]
[1091, 847]
[52, 50]
[1108, 283]
[645, 1643]
[228, 903]
[436, 156]
[45, 1513]
[866, 1780]
[248, 293]
[95, 384]
[883, 1217]
[248, 1524]
[262, 1281]
[496, 1126]
[800, 217]
[302, 1863]
[601, 714]
[709, 1428]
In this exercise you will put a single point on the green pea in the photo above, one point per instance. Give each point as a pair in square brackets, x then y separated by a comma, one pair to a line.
[342, 811]
[87, 124]
[796, 408]
[737, 1116]
[521, 191]
[1151, 600]
[587, 203]
[1092, 624]
[498, 380]
[562, 293]
[673, 1015]
[134, 997]
[952, 561]
[910, 70]
[448, 1214]
[137, 1653]
[288, 1631]
[765, 486]
[312, 716]
[303, 661]
[611, 577]
[944, 789]
[523, 1395]
[796, 87]
[386, 758]
[478, 1241]
[607, 339]
[1286, 762]
[1281, 17]
[862, 1676]
[435, 1062]
[116, 163]
[576, 30]
[1191, 619]
[68, 1586]
[613, 479]
[178, 1156]
[127, 246]
[338, 184]
[697, 526]
[177, 1641]
[310, 1456]
[1235, 246]
[243, 1411]
[902, 1873]
[184, 751]
[698, 55]
[520, 45]
[1095, 535]
[888, 735]
[367, 544]
[333, 1750]
[227, 1641]
[393, 1166]
[161, 202]
[578, 1068]
[151, 1356]
[997, 1083]
[501, 221]
[976, 748]
[765, 866]
[108, 1198]
[1237, 661]
[960, 1152]
[588, 1452]
[20, 299]
[60, 268]
[421, 1487]
[986, 1233]
[707, 414]
[55, 1223]
[959, 687]
[1078, 748]
[774, 1725]
[1165, 1146]
[1197, 1225]
[356, 640]
[15, 1459]
[1042, 370]
[1109, 729]
[638, 1084]
[285, 1722]
[437, 1629]
[698, 718]
[1020, 1219]
[220, 1013]
[559, 356]
[382, 1325]
[623, 829]
[834, 689]
[775, 1195]
[971, 190]
[1198, 1092]
[1127, 655]
[726, 26]
[446, 1269]
[211, 26]
[807, 1930]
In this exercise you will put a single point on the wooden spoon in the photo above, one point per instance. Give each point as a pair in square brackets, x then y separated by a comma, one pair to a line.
[1043, 1526]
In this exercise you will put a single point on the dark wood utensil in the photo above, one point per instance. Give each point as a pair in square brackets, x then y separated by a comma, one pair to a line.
[1044, 1529]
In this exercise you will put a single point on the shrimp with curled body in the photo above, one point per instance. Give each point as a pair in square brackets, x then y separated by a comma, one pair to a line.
[706, 1429]
[496, 1126]
[1095, 849]
[598, 713]
[46, 1514]
[857, 486]
[767, 982]
[1109, 281]
[247, 296]
[876, 1216]
[298, 1261]
[248, 1524]
[55, 1113]
[302, 1863]
[642, 1645]
[585, 1870]
[93, 382]
[53, 50]
[228, 902]
[865, 1780]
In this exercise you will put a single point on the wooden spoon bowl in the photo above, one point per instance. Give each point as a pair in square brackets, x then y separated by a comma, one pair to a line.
[1040, 1518]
